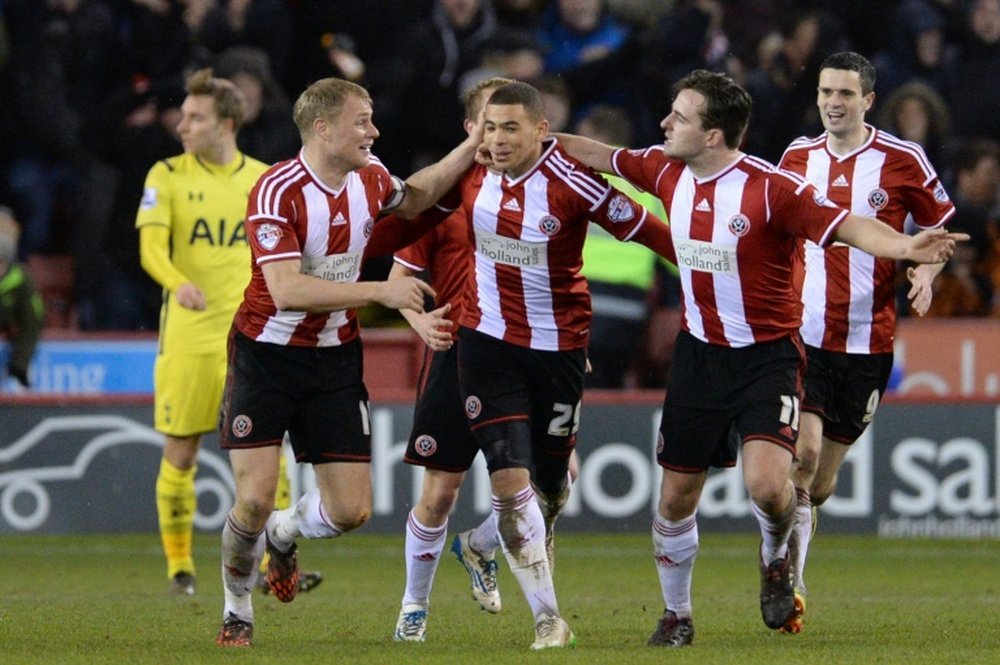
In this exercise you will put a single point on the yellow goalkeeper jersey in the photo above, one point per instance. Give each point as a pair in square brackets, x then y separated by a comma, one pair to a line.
[203, 206]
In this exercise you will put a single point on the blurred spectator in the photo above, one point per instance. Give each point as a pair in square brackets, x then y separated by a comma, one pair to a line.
[620, 276]
[507, 53]
[264, 24]
[916, 50]
[519, 14]
[964, 287]
[784, 90]
[423, 110]
[915, 112]
[21, 312]
[268, 132]
[975, 101]
[558, 104]
[578, 31]
[139, 128]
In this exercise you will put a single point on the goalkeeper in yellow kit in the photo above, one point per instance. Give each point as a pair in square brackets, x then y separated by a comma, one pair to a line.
[192, 242]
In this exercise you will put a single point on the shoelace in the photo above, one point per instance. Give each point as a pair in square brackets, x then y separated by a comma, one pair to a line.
[412, 622]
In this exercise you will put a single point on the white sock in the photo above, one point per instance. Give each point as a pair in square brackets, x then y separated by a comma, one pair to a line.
[242, 551]
[675, 547]
[424, 545]
[485, 538]
[522, 536]
[306, 518]
[774, 531]
[803, 529]
[552, 504]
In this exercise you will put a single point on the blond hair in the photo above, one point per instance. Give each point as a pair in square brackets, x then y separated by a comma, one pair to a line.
[229, 101]
[324, 99]
[474, 96]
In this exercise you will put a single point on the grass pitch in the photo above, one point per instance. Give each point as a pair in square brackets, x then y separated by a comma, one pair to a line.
[102, 599]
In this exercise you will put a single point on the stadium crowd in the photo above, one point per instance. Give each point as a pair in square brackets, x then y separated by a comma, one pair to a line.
[93, 88]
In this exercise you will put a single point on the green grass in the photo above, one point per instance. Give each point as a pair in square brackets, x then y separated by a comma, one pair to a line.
[101, 599]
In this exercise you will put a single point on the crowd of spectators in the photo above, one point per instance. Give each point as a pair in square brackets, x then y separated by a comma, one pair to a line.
[92, 88]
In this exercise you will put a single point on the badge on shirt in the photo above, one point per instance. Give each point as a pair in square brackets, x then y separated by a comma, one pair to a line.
[268, 235]
[878, 198]
[148, 198]
[939, 193]
[823, 201]
[620, 209]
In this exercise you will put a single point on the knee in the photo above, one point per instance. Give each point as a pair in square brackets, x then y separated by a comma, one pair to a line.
[253, 510]
[349, 518]
[771, 497]
[806, 462]
[438, 502]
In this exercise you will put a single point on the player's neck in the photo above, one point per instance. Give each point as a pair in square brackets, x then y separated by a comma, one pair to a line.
[329, 172]
[713, 161]
[220, 154]
[848, 142]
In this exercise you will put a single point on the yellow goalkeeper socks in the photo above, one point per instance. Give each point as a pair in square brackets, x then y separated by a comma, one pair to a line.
[175, 506]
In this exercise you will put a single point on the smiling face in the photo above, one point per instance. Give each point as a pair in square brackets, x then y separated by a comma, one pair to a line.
[513, 137]
[842, 105]
[201, 130]
[348, 138]
[685, 137]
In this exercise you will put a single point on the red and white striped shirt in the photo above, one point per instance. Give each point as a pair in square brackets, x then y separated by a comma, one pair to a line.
[291, 214]
[849, 295]
[528, 234]
[735, 233]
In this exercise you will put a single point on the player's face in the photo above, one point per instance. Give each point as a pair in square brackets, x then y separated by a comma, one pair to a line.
[200, 129]
[349, 137]
[513, 137]
[841, 104]
[685, 136]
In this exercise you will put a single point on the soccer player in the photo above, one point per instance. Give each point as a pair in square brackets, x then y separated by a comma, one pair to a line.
[523, 331]
[440, 440]
[295, 359]
[848, 296]
[735, 222]
[192, 241]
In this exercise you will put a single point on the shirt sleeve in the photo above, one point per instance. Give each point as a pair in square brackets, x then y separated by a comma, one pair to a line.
[797, 208]
[270, 227]
[643, 168]
[155, 206]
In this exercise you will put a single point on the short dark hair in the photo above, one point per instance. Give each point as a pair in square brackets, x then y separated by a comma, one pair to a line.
[727, 104]
[521, 93]
[852, 62]
[971, 152]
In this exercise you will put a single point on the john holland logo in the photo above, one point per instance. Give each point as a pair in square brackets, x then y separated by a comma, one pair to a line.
[473, 407]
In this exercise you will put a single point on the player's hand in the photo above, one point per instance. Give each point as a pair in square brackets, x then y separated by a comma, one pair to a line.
[434, 328]
[933, 245]
[405, 293]
[190, 296]
[921, 290]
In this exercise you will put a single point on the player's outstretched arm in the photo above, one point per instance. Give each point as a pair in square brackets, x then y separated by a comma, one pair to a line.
[878, 239]
[293, 291]
[593, 153]
[430, 183]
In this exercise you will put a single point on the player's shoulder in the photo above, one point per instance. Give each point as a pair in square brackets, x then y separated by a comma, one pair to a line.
[799, 149]
[252, 166]
[901, 151]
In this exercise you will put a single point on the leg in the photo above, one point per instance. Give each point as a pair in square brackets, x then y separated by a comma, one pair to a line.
[255, 471]
[766, 472]
[552, 481]
[675, 548]
[340, 503]
[426, 532]
[807, 454]
[522, 532]
[175, 508]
